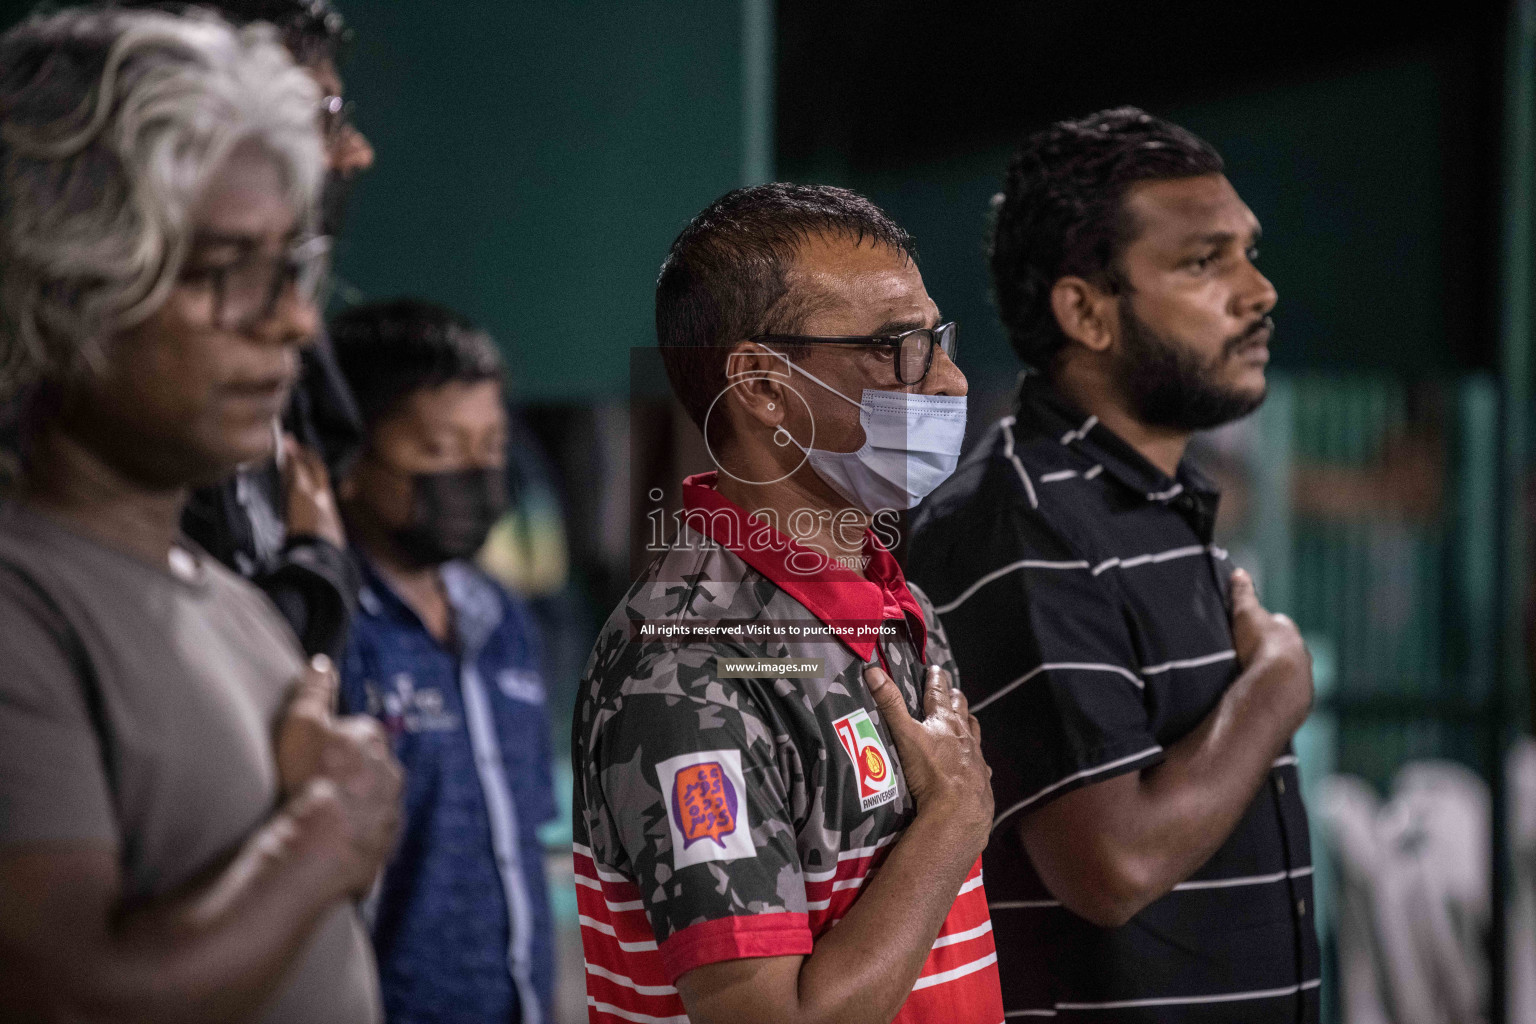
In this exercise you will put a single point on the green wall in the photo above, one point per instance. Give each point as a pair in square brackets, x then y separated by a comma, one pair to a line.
[534, 162]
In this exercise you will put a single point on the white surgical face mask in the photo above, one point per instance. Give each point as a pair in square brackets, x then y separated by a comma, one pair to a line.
[911, 445]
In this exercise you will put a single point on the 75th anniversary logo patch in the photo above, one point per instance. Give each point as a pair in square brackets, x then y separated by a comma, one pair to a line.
[871, 763]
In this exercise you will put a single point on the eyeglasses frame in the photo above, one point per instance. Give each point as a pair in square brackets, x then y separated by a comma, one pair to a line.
[300, 257]
[945, 336]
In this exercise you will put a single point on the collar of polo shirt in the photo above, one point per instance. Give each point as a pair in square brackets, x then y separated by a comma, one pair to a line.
[1121, 462]
[833, 595]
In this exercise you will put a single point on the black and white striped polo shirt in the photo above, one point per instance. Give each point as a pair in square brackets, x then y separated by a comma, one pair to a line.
[1087, 608]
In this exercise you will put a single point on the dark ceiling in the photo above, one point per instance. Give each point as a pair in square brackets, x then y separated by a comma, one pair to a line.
[862, 75]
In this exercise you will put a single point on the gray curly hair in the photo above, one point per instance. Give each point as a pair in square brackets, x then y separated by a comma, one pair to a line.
[111, 124]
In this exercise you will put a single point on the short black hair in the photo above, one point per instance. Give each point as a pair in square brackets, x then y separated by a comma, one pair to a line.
[312, 30]
[726, 277]
[1062, 213]
[387, 351]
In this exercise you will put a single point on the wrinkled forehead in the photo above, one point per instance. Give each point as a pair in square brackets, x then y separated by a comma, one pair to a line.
[842, 285]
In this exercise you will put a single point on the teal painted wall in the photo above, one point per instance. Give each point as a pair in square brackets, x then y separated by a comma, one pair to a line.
[534, 162]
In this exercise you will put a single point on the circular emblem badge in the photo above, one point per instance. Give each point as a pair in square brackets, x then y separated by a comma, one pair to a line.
[874, 764]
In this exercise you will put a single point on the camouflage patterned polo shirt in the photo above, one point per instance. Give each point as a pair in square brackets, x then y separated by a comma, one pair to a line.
[721, 817]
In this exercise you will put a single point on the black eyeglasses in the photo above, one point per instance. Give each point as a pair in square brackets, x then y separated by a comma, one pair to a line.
[246, 292]
[335, 118]
[913, 349]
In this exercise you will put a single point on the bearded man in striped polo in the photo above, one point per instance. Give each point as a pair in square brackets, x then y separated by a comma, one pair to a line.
[1149, 856]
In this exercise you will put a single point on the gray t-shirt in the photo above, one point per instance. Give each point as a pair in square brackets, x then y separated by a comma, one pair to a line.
[137, 708]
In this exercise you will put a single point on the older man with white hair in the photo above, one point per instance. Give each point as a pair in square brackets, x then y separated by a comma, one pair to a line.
[184, 827]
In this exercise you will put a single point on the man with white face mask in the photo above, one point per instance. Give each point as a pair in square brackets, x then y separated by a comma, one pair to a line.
[769, 736]
[911, 441]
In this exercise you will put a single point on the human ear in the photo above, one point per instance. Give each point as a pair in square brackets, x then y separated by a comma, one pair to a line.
[1083, 310]
[755, 383]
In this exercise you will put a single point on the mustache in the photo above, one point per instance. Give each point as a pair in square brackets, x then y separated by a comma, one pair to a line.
[1264, 326]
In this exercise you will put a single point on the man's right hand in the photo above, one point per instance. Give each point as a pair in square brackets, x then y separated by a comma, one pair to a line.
[352, 809]
[305, 727]
[864, 969]
[941, 755]
[71, 949]
[1271, 639]
[342, 782]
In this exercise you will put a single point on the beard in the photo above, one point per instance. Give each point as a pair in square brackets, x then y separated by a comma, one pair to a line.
[1168, 385]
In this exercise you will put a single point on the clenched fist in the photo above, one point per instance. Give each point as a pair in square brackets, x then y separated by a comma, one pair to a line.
[940, 755]
[1272, 641]
[339, 778]
[303, 730]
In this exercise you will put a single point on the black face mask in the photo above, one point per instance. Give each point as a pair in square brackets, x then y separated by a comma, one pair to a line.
[452, 513]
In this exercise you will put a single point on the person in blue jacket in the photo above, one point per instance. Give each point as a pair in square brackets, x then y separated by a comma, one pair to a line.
[449, 661]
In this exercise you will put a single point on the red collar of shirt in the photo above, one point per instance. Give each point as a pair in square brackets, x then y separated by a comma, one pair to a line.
[834, 595]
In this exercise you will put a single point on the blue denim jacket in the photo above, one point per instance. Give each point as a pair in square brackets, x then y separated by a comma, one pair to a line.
[461, 921]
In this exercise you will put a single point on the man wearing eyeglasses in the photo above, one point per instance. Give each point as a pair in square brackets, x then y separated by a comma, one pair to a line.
[185, 828]
[768, 737]
[276, 522]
